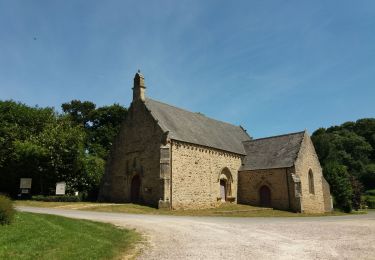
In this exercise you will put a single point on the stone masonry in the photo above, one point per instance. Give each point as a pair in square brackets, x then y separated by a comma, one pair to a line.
[136, 152]
[196, 175]
[289, 186]
[167, 157]
[307, 160]
[278, 181]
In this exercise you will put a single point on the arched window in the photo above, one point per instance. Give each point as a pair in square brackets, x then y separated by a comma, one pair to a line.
[311, 182]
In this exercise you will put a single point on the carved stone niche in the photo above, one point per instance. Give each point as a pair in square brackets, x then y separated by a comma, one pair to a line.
[297, 185]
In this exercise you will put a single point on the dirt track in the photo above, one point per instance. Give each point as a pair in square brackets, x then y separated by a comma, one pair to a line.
[171, 237]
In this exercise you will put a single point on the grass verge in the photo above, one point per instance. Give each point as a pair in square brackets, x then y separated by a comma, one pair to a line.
[226, 209]
[38, 236]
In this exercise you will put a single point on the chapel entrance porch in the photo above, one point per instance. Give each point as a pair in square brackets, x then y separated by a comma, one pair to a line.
[226, 182]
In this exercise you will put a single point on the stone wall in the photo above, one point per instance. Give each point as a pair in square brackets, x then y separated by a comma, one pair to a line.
[328, 203]
[195, 175]
[136, 152]
[289, 186]
[307, 160]
[279, 181]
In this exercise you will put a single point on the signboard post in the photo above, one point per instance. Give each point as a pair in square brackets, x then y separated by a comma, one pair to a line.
[60, 188]
[25, 187]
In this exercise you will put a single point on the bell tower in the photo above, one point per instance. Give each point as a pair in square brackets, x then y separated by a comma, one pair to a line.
[139, 87]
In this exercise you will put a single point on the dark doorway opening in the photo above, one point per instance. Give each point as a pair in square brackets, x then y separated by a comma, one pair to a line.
[135, 189]
[265, 196]
[223, 190]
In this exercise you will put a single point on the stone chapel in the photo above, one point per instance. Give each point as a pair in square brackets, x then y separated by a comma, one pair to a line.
[168, 157]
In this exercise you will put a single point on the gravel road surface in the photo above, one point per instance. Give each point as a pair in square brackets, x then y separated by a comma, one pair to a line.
[176, 237]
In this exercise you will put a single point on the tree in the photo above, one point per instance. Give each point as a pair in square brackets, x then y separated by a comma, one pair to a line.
[106, 123]
[357, 189]
[79, 112]
[366, 128]
[352, 146]
[18, 123]
[52, 155]
[338, 177]
[94, 169]
[100, 124]
[49, 147]
[368, 176]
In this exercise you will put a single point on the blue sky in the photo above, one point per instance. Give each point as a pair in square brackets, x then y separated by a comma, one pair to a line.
[271, 66]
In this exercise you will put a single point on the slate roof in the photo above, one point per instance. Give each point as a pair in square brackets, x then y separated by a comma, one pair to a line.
[272, 152]
[196, 128]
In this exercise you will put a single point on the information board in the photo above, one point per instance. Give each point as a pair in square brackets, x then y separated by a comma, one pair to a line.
[25, 183]
[60, 188]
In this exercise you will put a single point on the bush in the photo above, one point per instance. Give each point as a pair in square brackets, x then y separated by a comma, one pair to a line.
[370, 192]
[6, 210]
[370, 204]
[64, 198]
[370, 201]
[338, 177]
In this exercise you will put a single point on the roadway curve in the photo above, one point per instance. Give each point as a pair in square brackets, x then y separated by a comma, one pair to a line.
[176, 237]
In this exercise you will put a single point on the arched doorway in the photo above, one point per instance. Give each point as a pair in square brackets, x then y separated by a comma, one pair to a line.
[225, 180]
[135, 189]
[265, 196]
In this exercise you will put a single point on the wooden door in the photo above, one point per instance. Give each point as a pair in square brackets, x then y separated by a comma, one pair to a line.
[223, 190]
[265, 196]
[135, 189]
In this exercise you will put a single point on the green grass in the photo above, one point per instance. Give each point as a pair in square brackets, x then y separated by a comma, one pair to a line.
[226, 209]
[37, 236]
[68, 205]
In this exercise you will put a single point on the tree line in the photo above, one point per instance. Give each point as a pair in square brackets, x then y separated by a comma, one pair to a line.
[50, 146]
[347, 155]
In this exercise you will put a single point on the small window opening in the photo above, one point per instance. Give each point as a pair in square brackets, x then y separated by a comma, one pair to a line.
[311, 182]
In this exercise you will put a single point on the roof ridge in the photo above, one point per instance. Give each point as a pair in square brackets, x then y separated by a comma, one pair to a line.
[300, 145]
[273, 152]
[275, 136]
[196, 128]
[196, 113]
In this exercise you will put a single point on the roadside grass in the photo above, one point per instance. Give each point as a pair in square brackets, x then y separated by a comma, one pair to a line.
[226, 209]
[38, 236]
[43, 204]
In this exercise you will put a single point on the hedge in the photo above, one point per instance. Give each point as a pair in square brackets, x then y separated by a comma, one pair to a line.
[64, 198]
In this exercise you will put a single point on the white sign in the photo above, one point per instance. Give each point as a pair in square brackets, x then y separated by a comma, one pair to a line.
[25, 183]
[60, 188]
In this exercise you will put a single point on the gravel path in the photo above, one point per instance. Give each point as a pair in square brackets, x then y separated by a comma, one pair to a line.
[172, 237]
